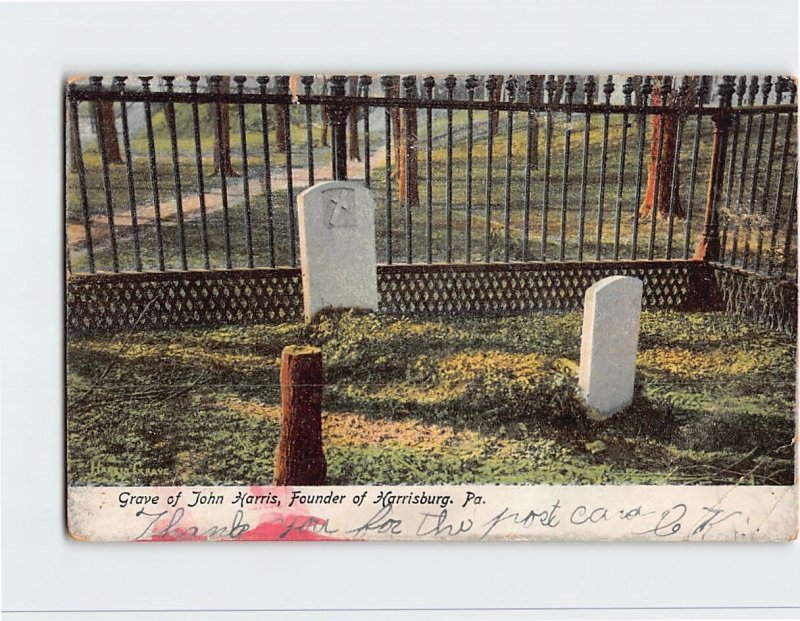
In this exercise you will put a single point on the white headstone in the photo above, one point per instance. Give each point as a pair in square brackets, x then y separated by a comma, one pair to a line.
[608, 344]
[337, 247]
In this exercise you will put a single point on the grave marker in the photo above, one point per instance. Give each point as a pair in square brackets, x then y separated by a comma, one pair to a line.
[609, 342]
[337, 247]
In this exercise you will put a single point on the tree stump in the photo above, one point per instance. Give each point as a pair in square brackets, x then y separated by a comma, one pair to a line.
[300, 459]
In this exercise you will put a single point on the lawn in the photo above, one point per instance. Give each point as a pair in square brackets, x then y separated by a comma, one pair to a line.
[437, 400]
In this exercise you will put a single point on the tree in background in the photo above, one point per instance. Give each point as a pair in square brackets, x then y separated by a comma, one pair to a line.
[404, 132]
[110, 137]
[222, 143]
[660, 170]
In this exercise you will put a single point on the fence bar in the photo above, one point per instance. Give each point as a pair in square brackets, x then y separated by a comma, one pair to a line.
[532, 87]
[766, 87]
[248, 220]
[76, 144]
[151, 148]
[683, 94]
[307, 81]
[550, 87]
[700, 94]
[741, 88]
[96, 82]
[429, 83]
[780, 86]
[410, 87]
[176, 171]
[364, 81]
[787, 244]
[450, 84]
[215, 82]
[781, 178]
[471, 83]
[752, 91]
[119, 82]
[282, 82]
[387, 82]
[627, 90]
[646, 89]
[588, 89]
[608, 89]
[511, 89]
[569, 89]
[263, 80]
[338, 113]
[201, 190]
[664, 89]
[491, 86]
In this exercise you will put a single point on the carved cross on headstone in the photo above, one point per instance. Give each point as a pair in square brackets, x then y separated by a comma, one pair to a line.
[341, 201]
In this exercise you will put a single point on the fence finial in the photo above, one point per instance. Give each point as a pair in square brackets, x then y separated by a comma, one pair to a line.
[569, 88]
[550, 87]
[726, 89]
[364, 82]
[608, 89]
[752, 90]
[450, 85]
[766, 87]
[589, 88]
[627, 90]
[741, 89]
[428, 83]
[387, 82]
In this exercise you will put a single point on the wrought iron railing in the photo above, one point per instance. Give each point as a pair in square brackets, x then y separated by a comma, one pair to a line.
[487, 171]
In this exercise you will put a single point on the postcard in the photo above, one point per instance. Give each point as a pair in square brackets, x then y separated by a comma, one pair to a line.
[431, 307]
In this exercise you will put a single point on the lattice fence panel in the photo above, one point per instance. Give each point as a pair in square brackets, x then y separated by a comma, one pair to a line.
[122, 301]
[769, 302]
[508, 289]
[111, 302]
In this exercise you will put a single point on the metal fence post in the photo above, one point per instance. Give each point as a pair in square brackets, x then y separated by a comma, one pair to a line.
[708, 248]
[338, 114]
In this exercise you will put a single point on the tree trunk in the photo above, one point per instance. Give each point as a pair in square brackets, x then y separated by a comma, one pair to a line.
[300, 459]
[352, 121]
[661, 169]
[222, 144]
[402, 147]
[110, 138]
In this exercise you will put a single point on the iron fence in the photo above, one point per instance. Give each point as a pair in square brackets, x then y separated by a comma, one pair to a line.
[442, 209]
[176, 175]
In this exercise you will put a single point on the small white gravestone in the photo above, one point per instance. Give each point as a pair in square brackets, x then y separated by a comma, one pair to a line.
[337, 247]
[608, 344]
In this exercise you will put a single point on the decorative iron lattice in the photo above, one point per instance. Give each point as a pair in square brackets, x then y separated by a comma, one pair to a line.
[111, 302]
[506, 289]
[769, 302]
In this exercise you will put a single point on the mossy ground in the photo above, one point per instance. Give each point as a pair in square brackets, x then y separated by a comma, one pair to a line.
[440, 400]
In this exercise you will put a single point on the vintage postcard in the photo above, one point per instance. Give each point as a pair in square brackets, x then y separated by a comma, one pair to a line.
[431, 307]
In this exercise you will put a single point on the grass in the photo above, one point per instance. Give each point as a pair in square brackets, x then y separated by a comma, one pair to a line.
[423, 401]
[571, 220]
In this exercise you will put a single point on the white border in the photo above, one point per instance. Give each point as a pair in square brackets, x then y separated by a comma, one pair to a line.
[43, 570]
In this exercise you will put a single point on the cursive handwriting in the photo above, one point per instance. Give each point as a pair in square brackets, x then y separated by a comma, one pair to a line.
[234, 530]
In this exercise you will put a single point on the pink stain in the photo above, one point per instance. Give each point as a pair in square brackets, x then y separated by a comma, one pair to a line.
[271, 524]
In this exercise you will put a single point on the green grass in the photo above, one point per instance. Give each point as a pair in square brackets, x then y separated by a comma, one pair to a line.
[420, 401]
